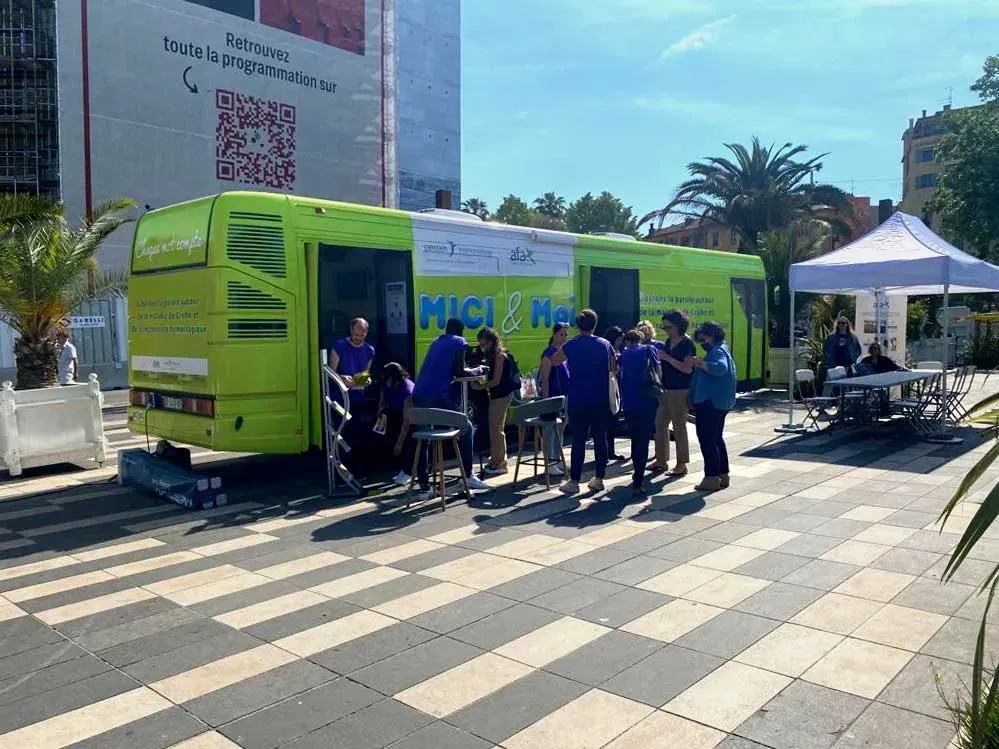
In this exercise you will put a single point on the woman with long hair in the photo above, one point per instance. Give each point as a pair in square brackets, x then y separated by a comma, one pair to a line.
[637, 404]
[501, 386]
[553, 380]
[842, 347]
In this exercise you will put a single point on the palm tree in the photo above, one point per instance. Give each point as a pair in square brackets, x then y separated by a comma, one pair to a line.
[476, 207]
[779, 249]
[47, 270]
[551, 204]
[758, 190]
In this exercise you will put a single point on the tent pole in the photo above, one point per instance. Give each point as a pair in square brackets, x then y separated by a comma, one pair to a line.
[790, 364]
[944, 436]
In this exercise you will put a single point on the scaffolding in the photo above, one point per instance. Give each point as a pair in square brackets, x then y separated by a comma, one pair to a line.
[29, 107]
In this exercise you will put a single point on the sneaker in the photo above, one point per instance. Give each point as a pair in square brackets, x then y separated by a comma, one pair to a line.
[478, 485]
[491, 470]
[596, 485]
[401, 478]
[570, 487]
[422, 495]
[555, 470]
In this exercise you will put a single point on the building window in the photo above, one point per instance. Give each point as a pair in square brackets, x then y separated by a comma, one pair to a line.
[924, 181]
[924, 155]
[714, 239]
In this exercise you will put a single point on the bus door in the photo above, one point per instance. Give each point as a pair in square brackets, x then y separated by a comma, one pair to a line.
[747, 334]
[376, 285]
[614, 297]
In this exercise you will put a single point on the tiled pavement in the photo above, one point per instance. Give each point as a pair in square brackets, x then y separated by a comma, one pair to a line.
[800, 608]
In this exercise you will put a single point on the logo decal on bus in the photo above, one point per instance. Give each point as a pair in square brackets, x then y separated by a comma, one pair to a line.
[475, 311]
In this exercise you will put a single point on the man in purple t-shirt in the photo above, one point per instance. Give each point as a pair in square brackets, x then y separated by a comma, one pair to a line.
[588, 398]
[352, 356]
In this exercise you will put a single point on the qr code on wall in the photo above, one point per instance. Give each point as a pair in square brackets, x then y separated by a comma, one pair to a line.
[254, 140]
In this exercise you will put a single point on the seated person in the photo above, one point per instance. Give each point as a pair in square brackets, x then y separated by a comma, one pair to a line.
[876, 362]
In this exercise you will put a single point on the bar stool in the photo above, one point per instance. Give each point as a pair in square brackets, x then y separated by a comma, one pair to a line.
[531, 416]
[436, 427]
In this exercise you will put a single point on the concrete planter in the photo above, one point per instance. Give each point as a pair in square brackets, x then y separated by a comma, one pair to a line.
[778, 366]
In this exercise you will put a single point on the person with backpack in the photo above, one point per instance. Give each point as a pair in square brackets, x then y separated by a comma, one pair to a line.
[641, 391]
[503, 382]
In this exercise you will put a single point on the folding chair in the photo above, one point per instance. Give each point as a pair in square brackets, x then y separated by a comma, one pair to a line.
[852, 400]
[531, 416]
[815, 405]
[922, 410]
[437, 426]
[957, 391]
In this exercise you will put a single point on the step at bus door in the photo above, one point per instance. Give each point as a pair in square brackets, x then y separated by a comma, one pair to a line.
[614, 297]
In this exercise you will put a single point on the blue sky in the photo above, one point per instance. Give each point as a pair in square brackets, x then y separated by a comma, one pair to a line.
[619, 95]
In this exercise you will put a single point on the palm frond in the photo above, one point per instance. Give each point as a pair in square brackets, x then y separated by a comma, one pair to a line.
[986, 514]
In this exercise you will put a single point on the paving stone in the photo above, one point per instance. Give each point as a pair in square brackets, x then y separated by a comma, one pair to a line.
[803, 716]
[27, 661]
[364, 651]
[286, 721]
[906, 561]
[37, 677]
[802, 522]
[809, 545]
[636, 570]
[373, 727]
[159, 641]
[535, 584]
[233, 601]
[63, 699]
[604, 658]
[622, 607]
[505, 626]
[77, 595]
[887, 727]
[662, 676]
[773, 565]
[399, 672]
[593, 561]
[440, 735]
[516, 706]
[728, 634]
[258, 692]
[158, 731]
[376, 595]
[919, 686]
[577, 595]
[25, 633]
[194, 655]
[686, 549]
[779, 601]
[430, 559]
[301, 620]
[822, 574]
[930, 595]
[956, 639]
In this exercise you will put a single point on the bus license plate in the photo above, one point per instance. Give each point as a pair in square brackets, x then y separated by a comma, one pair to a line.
[173, 404]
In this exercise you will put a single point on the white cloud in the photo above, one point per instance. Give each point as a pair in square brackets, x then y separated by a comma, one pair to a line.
[700, 38]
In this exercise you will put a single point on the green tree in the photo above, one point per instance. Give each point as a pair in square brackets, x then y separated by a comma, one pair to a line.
[779, 249]
[967, 195]
[551, 204]
[477, 207]
[759, 189]
[47, 270]
[604, 213]
[539, 220]
[513, 211]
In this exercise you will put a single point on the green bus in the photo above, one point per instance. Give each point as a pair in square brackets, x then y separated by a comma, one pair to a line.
[233, 297]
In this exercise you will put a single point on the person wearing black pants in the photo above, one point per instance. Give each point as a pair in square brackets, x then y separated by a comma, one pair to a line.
[591, 361]
[637, 361]
[615, 337]
[712, 391]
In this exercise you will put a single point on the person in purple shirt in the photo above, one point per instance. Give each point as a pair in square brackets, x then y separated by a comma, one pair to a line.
[434, 388]
[553, 381]
[590, 360]
[615, 337]
[396, 400]
[352, 356]
[638, 405]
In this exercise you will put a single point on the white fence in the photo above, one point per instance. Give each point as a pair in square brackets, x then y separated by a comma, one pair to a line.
[52, 425]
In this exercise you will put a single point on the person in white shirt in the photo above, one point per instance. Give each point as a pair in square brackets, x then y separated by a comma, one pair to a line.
[69, 366]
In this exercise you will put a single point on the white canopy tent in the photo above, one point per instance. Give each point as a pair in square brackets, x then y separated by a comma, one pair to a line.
[901, 256]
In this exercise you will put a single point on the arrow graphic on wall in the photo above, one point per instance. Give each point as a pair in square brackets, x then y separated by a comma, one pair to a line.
[193, 88]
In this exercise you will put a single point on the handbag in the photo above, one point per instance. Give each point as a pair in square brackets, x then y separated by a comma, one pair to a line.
[613, 391]
[652, 381]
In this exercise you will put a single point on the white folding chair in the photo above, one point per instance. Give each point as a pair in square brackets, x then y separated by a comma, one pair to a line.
[815, 405]
[922, 410]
